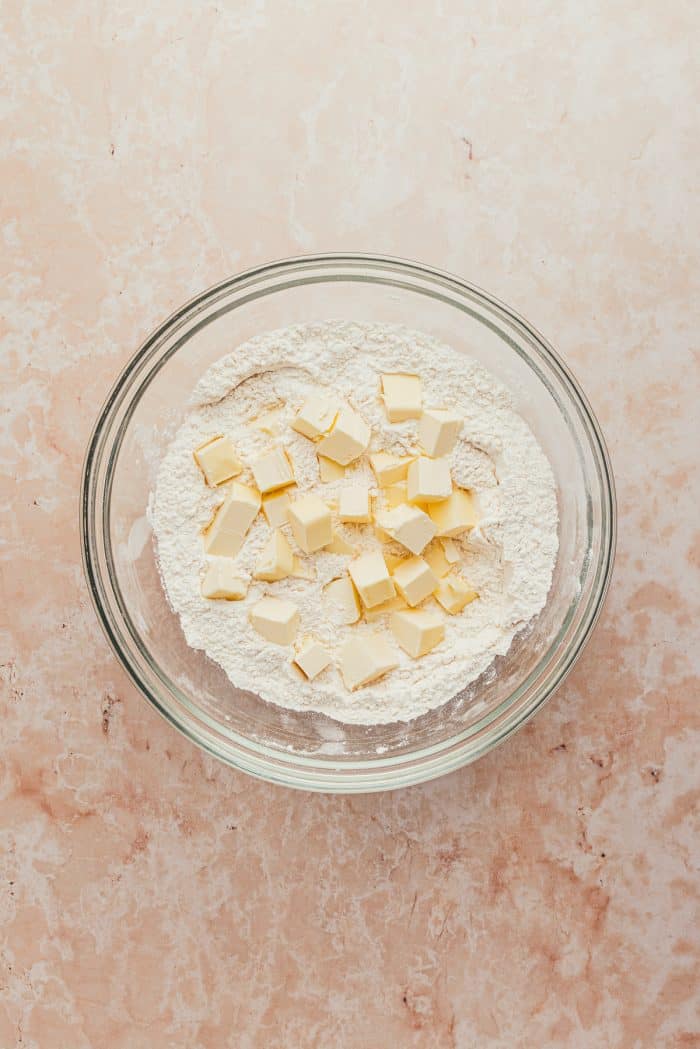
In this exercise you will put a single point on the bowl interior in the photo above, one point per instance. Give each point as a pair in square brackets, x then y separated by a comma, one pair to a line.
[146, 408]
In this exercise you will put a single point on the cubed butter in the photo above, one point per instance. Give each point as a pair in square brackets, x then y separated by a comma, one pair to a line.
[217, 461]
[302, 569]
[454, 594]
[225, 535]
[365, 659]
[395, 494]
[402, 397]
[409, 525]
[273, 470]
[329, 471]
[414, 580]
[429, 480]
[311, 658]
[438, 431]
[221, 581]
[276, 559]
[342, 601]
[388, 469]
[371, 577]
[312, 525]
[339, 545]
[435, 556]
[452, 552]
[417, 630]
[348, 439]
[386, 608]
[316, 416]
[455, 514]
[275, 619]
[353, 505]
[275, 506]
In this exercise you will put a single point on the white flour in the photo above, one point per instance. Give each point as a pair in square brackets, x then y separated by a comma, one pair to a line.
[508, 559]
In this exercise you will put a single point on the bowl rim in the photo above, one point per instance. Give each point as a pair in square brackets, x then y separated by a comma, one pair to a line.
[323, 773]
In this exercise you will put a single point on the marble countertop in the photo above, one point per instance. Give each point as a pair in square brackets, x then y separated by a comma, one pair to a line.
[545, 896]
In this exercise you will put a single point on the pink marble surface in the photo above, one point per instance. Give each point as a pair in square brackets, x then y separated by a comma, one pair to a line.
[547, 895]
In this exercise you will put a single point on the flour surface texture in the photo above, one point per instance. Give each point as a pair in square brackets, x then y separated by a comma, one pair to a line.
[508, 558]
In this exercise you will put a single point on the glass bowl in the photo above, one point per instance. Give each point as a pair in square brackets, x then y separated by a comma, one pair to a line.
[141, 414]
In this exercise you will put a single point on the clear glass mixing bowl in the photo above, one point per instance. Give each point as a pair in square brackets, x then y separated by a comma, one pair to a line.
[143, 411]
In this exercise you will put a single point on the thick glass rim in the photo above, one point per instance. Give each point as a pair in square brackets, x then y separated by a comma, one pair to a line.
[267, 762]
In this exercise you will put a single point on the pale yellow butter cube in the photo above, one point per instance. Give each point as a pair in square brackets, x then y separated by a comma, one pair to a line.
[312, 525]
[415, 580]
[402, 396]
[429, 480]
[225, 535]
[221, 582]
[455, 514]
[316, 416]
[409, 525]
[348, 439]
[417, 630]
[371, 577]
[395, 494]
[273, 470]
[302, 569]
[343, 602]
[438, 431]
[217, 461]
[454, 594]
[275, 619]
[311, 658]
[339, 545]
[388, 469]
[386, 608]
[452, 552]
[275, 507]
[435, 556]
[365, 659]
[353, 505]
[276, 559]
[329, 471]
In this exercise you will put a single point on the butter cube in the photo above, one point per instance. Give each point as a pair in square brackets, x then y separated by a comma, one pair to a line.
[276, 559]
[316, 416]
[221, 582]
[311, 522]
[338, 545]
[311, 658]
[395, 494]
[329, 471]
[275, 619]
[344, 604]
[386, 608]
[409, 525]
[454, 594]
[217, 461]
[348, 439]
[273, 470]
[429, 480]
[302, 569]
[452, 552]
[435, 556]
[371, 576]
[275, 506]
[365, 659]
[225, 535]
[415, 580]
[353, 505]
[402, 397]
[417, 630]
[389, 469]
[455, 514]
[438, 431]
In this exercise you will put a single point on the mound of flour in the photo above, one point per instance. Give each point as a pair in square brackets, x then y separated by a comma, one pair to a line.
[509, 558]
